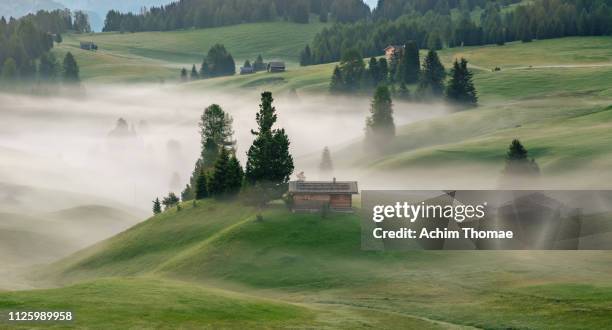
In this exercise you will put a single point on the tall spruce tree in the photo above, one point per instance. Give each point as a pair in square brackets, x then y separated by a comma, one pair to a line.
[269, 161]
[201, 187]
[431, 81]
[48, 67]
[235, 176]
[380, 126]
[306, 56]
[157, 206]
[218, 180]
[71, 69]
[409, 64]
[460, 88]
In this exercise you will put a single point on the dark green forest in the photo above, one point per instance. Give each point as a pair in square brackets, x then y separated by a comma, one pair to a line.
[431, 25]
[210, 13]
[25, 44]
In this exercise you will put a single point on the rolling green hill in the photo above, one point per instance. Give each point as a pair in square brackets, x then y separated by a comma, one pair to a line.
[317, 263]
[155, 56]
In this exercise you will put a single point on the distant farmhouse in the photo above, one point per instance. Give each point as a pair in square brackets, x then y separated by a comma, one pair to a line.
[88, 45]
[276, 66]
[392, 50]
[312, 196]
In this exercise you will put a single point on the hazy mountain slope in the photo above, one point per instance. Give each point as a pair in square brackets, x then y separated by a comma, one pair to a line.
[18, 8]
[312, 260]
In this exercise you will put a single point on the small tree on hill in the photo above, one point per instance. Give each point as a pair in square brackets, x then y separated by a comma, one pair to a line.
[184, 77]
[201, 188]
[218, 180]
[235, 176]
[460, 89]
[71, 69]
[247, 64]
[431, 81]
[326, 166]
[187, 193]
[380, 127]
[518, 161]
[170, 200]
[194, 73]
[259, 64]
[156, 206]
[306, 56]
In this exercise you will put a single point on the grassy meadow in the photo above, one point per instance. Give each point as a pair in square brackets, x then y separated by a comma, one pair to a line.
[151, 57]
[185, 269]
[214, 265]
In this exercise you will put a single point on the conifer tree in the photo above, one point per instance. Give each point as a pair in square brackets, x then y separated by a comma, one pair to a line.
[518, 162]
[201, 188]
[235, 176]
[326, 166]
[48, 67]
[71, 69]
[374, 71]
[306, 56]
[9, 70]
[269, 160]
[336, 85]
[184, 77]
[156, 206]
[194, 73]
[187, 193]
[218, 180]
[431, 81]
[259, 64]
[409, 64]
[460, 89]
[380, 127]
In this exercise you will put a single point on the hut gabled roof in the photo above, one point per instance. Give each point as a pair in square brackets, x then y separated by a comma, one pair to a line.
[323, 187]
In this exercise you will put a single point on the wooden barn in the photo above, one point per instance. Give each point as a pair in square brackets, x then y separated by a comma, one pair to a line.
[276, 67]
[312, 196]
[88, 45]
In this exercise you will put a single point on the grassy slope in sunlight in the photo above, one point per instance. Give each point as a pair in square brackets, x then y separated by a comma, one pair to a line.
[317, 261]
[153, 56]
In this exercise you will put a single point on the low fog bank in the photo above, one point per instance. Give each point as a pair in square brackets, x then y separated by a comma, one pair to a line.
[76, 144]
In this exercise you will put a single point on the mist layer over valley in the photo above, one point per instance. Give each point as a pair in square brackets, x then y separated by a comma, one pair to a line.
[76, 170]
